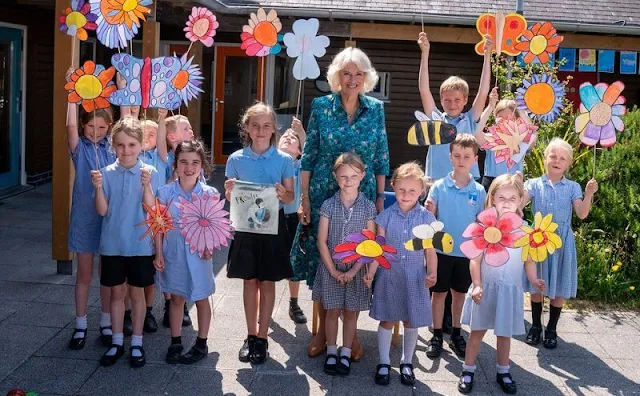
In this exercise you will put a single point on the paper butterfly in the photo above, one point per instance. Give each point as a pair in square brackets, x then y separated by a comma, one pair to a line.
[514, 26]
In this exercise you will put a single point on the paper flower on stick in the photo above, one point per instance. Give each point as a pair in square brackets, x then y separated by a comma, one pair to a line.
[514, 25]
[509, 139]
[601, 113]
[188, 80]
[159, 220]
[364, 247]
[538, 42]
[540, 239]
[491, 235]
[77, 19]
[201, 26]
[90, 86]
[304, 45]
[541, 97]
[118, 20]
[204, 223]
[260, 37]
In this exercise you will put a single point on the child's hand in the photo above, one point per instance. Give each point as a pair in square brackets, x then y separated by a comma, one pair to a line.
[368, 279]
[68, 74]
[488, 45]
[296, 125]
[494, 97]
[430, 205]
[476, 294]
[96, 179]
[145, 177]
[162, 114]
[135, 111]
[121, 83]
[349, 275]
[539, 284]
[519, 175]
[592, 187]
[430, 280]
[158, 262]
[228, 185]
[423, 42]
[281, 191]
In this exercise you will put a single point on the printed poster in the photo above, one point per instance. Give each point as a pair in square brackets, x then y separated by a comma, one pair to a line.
[570, 55]
[606, 61]
[587, 60]
[254, 208]
[628, 62]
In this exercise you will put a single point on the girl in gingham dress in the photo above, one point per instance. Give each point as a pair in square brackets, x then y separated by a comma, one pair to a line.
[402, 292]
[554, 193]
[340, 287]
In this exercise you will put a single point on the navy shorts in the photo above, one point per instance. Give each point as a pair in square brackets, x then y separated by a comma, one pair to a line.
[137, 271]
[453, 273]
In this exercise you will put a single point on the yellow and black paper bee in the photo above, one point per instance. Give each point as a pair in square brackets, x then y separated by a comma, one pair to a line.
[427, 236]
[430, 131]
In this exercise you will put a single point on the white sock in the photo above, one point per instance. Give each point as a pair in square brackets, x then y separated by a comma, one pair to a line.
[81, 323]
[332, 350]
[471, 369]
[384, 346]
[409, 341]
[105, 321]
[136, 341]
[344, 351]
[503, 370]
[117, 339]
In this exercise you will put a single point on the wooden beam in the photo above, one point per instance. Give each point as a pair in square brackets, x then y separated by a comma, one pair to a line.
[195, 106]
[63, 172]
[576, 40]
[151, 48]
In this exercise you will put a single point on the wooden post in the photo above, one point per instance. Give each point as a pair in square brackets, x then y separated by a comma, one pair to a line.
[195, 105]
[151, 44]
[63, 172]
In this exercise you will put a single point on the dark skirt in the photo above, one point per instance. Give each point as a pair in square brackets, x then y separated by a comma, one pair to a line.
[259, 256]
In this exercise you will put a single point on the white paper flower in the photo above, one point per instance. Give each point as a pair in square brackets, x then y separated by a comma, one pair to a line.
[305, 46]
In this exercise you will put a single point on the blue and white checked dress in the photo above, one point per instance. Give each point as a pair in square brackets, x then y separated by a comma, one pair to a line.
[400, 292]
[560, 270]
[354, 296]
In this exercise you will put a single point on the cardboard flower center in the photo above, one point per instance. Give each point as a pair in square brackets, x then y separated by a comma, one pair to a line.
[181, 80]
[88, 86]
[540, 98]
[129, 5]
[76, 19]
[201, 27]
[538, 44]
[369, 249]
[492, 235]
[600, 114]
[204, 222]
[538, 237]
[265, 33]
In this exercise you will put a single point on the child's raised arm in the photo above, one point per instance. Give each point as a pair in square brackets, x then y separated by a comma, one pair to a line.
[296, 125]
[485, 80]
[161, 141]
[428, 103]
[493, 101]
[583, 206]
[72, 121]
[147, 189]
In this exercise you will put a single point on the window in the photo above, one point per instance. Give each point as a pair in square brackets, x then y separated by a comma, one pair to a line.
[382, 89]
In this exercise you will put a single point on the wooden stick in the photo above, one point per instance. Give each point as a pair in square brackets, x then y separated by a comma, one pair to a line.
[300, 81]
[594, 161]
[95, 144]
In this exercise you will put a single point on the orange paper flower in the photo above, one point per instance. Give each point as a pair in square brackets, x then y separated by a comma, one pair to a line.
[159, 220]
[261, 36]
[538, 42]
[91, 85]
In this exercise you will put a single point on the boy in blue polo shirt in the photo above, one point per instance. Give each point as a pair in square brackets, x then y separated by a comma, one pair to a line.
[456, 200]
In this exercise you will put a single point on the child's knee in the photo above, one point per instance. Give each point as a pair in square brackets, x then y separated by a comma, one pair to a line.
[350, 315]
[333, 314]
[178, 300]
[118, 293]
[203, 304]
[387, 325]
[439, 296]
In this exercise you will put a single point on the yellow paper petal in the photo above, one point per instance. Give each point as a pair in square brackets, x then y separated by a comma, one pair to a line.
[552, 227]
[525, 252]
[537, 220]
[526, 229]
[546, 220]
[534, 254]
[581, 121]
[523, 241]
[551, 247]
[542, 253]
[555, 239]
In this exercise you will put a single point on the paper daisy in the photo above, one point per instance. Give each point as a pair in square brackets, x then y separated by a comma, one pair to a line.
[601, 113]
[365, 247]
[538, 42]
[188, 80]
[540, 239]
[118, 20]
[304, 45]
[541, 97]
[201, 26]
[91, 85]
[260, 37]
[77, 19]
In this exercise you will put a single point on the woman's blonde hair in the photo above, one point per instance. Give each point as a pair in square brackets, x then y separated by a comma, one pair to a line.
[130, 126]
[358, 58]
[351, 159]
[557, 143]
[259, 108]
[409, 170]
[501, 181]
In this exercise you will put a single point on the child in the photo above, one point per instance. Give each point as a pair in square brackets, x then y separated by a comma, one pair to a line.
[554, 193]
[340, 287]
[456, 200]
[187, 276]
[259, 259]
[291, 142]
[454, 95]
[502, 307]
[85, 223]
[120, 189]
[506, 108]
[402, 292]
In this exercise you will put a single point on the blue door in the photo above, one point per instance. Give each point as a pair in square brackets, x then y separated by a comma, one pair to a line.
[10, 106]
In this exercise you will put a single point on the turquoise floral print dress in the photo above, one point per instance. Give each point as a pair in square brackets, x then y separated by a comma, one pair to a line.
[329, 134]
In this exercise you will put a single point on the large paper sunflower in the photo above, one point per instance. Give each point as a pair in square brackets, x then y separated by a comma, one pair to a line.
[91, 85]
[601, 113]
[261, 36]
[364, 247]
[538, 42]
[540, 239]
[541, 97]
[202, 25]
[119, 20]
[77, 19]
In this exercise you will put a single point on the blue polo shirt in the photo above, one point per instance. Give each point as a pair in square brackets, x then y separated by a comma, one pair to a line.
[438, 163]
[152, 157]
[293, 206]
[491, 169]
[457, 207]
[270, 167]
[122, 188]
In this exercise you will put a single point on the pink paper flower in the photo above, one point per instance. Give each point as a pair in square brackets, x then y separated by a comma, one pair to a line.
[509, 139]
[202, 25]
[491, 236]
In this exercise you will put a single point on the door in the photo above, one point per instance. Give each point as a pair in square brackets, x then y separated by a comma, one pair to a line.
[10, 106]
[239, 82]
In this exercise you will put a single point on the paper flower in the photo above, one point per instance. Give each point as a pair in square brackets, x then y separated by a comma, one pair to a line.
[188, 80]
[541, 97]
[304, 45]
[538, 42]
[364, 247]
[260, 37]
[491, 236]
[540, 239]
[90, 86]
[508, 138]
[203, 223]
[77, 19]
[159, 220]
[600, 113]
[202, 25]
[118, 20]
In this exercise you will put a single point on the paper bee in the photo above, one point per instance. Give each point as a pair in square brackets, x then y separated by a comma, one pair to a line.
[430, 131]
[427, 236]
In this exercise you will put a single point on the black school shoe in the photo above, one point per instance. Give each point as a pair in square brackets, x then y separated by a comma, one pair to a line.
[137, 361]
[194, 355]
[458, 345]
[550, 339]
[382, 379]
[78, 343]
[341, 368]
[407, 379]
[296, 314]
[150, 324]
[260, 351]
[434, 348]
[465, 387]
[247, 349]
[106, 339]
[509, 388]
[330, 369]
[186, 319]
[110, 360]
[534, 336]
[173, 353]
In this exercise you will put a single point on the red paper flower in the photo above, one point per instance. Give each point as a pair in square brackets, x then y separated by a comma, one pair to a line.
[364, 247]
[159, 220]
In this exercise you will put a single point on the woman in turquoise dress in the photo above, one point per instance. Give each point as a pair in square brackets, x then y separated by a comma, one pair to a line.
[345, 120]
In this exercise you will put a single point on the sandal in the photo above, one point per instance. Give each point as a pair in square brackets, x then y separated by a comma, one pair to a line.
[407, 379]
[341, 368]
[78, 343]
[507, 387]
[106, 338]
[330, 369]
[136, 361]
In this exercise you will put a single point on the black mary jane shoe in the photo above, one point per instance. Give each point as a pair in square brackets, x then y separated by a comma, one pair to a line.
[550, 339]
[382, 379]
[330, 369]
[106, 339]
[407, 379]
[465, 387]
[137, 361]
[434, 347]
[173, 353]
[260, 351]
[534, 336]
[297, 315]
[194, 355]
[77, 343]
[507, 387]
[110, 360]
[341, 368]
[247, 349]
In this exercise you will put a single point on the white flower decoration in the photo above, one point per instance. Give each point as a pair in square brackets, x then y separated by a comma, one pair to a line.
[304, 45]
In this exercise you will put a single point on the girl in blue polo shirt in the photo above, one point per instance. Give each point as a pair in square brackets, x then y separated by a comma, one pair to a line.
[120, 189]
[259, 259]
[85, 223]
